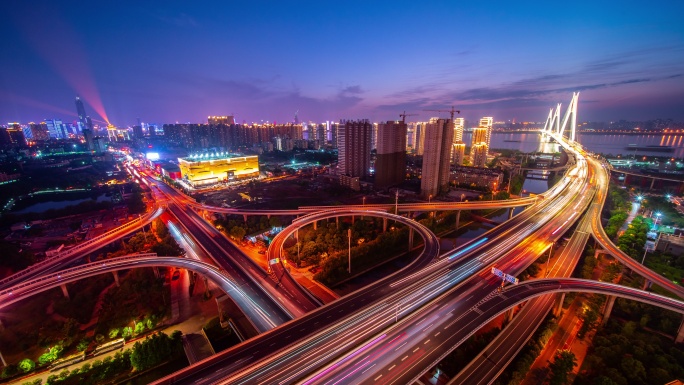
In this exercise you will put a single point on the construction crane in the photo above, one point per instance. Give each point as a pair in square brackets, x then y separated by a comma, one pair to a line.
[404, 115]
[452, 110]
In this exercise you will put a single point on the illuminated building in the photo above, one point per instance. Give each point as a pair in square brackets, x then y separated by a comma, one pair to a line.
[12, 135]
[481, 140]
[228, 120]
[39, 131]
[390, 163]
[206, 169]
[82, 117]
[111, 133]
[436, 157]
[56, 129]
[480, 177]
[458, 148]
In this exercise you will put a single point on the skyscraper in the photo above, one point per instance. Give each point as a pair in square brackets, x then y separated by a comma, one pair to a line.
[354, 140]
[55, 128]
[458, 148]
[80, 111]
[39, 131]
[439, 135]
[390, 163]
[480, 145]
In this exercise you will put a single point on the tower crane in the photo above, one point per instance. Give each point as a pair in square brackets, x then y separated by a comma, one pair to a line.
[452, 110]
[404, 115]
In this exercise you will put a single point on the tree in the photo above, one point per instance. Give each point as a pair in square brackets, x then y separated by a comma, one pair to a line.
[135, 201]
[237, 233]
[26, 365]
[563, 363]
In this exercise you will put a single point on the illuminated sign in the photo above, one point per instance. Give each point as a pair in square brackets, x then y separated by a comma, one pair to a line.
[152, 156]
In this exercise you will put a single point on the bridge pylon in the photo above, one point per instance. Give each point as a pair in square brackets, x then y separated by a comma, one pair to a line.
[569, 122]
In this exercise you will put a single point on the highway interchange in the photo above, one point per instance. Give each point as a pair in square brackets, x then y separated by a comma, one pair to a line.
[393, 330]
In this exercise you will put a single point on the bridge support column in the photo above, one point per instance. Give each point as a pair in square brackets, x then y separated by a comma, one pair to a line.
[244, 217]
[315, 225]
[384, 225]
[337, 222]
[647, 285]
[608, 309]
[116, 277]
[510, 212]
[508, 316]
[4, 363]
[652, 183]
[598, 251]
[65, 291]
[458, 219]
[156, 271]
[559, 308]
[410, 243]
[353, 219]
[680, 333]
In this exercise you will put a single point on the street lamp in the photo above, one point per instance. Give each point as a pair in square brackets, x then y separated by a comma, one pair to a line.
[655, 223]
[349, 238]
[429, 198]
[396, 202]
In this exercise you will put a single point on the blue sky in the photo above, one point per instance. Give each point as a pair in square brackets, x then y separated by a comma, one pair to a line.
[262, 60]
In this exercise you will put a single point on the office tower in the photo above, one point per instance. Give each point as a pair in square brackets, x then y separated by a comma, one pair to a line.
[55, 128]
[80, 111]
[354, 139]
[138, 131]
[320, 133]
[458, 148]
[221, 119]
[88, 136]
[89, 123]
[390, 163]
[438, 141]
[111, 133]
[479, 149]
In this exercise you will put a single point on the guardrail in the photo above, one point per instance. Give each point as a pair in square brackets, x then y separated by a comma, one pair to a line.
[66, 272]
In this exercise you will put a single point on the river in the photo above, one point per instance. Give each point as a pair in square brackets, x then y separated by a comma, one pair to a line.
[615, 144]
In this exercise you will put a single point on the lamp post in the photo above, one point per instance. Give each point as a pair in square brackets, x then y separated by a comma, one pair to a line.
[396, 202]
[548, 260]
[349, 238]
[655, 223]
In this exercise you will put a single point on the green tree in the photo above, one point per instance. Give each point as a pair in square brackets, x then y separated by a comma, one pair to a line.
[26, 365]
[563, 363]
[135, 201]
[83, 345]
[237, 233]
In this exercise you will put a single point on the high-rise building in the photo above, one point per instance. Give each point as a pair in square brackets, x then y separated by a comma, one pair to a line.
[458, 148]
[439, 135]
[221, 119]
[39, 131]
[56, 128]
[13, 135]
[419, 144]
[479, 149]
[138, 132]
[80, 111]
[374, 137]
[390, 162]
[88, 136]
[354, 140]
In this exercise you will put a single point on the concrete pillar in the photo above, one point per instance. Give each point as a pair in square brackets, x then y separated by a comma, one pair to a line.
[156, 271]
[384, 225]
[510, 212]
[268, 216]
[680, 333]
[116, 277]
[608, 309]
[64, 291]
[652, 183]
[337, 222]
[508, 316]
[353, 219]
[559, 307]
[458, 219]
[315, 225]
[647, 285]
[410, 244]
[4, 363]
[597, 252]
[244, 217]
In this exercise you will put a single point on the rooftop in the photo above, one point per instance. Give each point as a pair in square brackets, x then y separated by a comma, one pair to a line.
[197, 157]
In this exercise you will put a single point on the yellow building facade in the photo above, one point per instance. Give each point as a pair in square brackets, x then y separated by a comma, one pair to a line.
[207, 169]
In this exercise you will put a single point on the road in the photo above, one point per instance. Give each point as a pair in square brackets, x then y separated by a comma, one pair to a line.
[263, 317]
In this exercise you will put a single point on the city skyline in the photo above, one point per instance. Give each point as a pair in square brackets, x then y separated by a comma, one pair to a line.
[266, 61]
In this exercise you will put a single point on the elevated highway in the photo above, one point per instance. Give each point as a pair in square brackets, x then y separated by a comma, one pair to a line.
[262, 317]
[81, 250]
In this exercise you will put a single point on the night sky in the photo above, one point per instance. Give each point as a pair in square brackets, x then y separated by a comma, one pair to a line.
[182, 61]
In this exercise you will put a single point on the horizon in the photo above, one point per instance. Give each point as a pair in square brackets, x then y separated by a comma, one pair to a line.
[265, 61]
